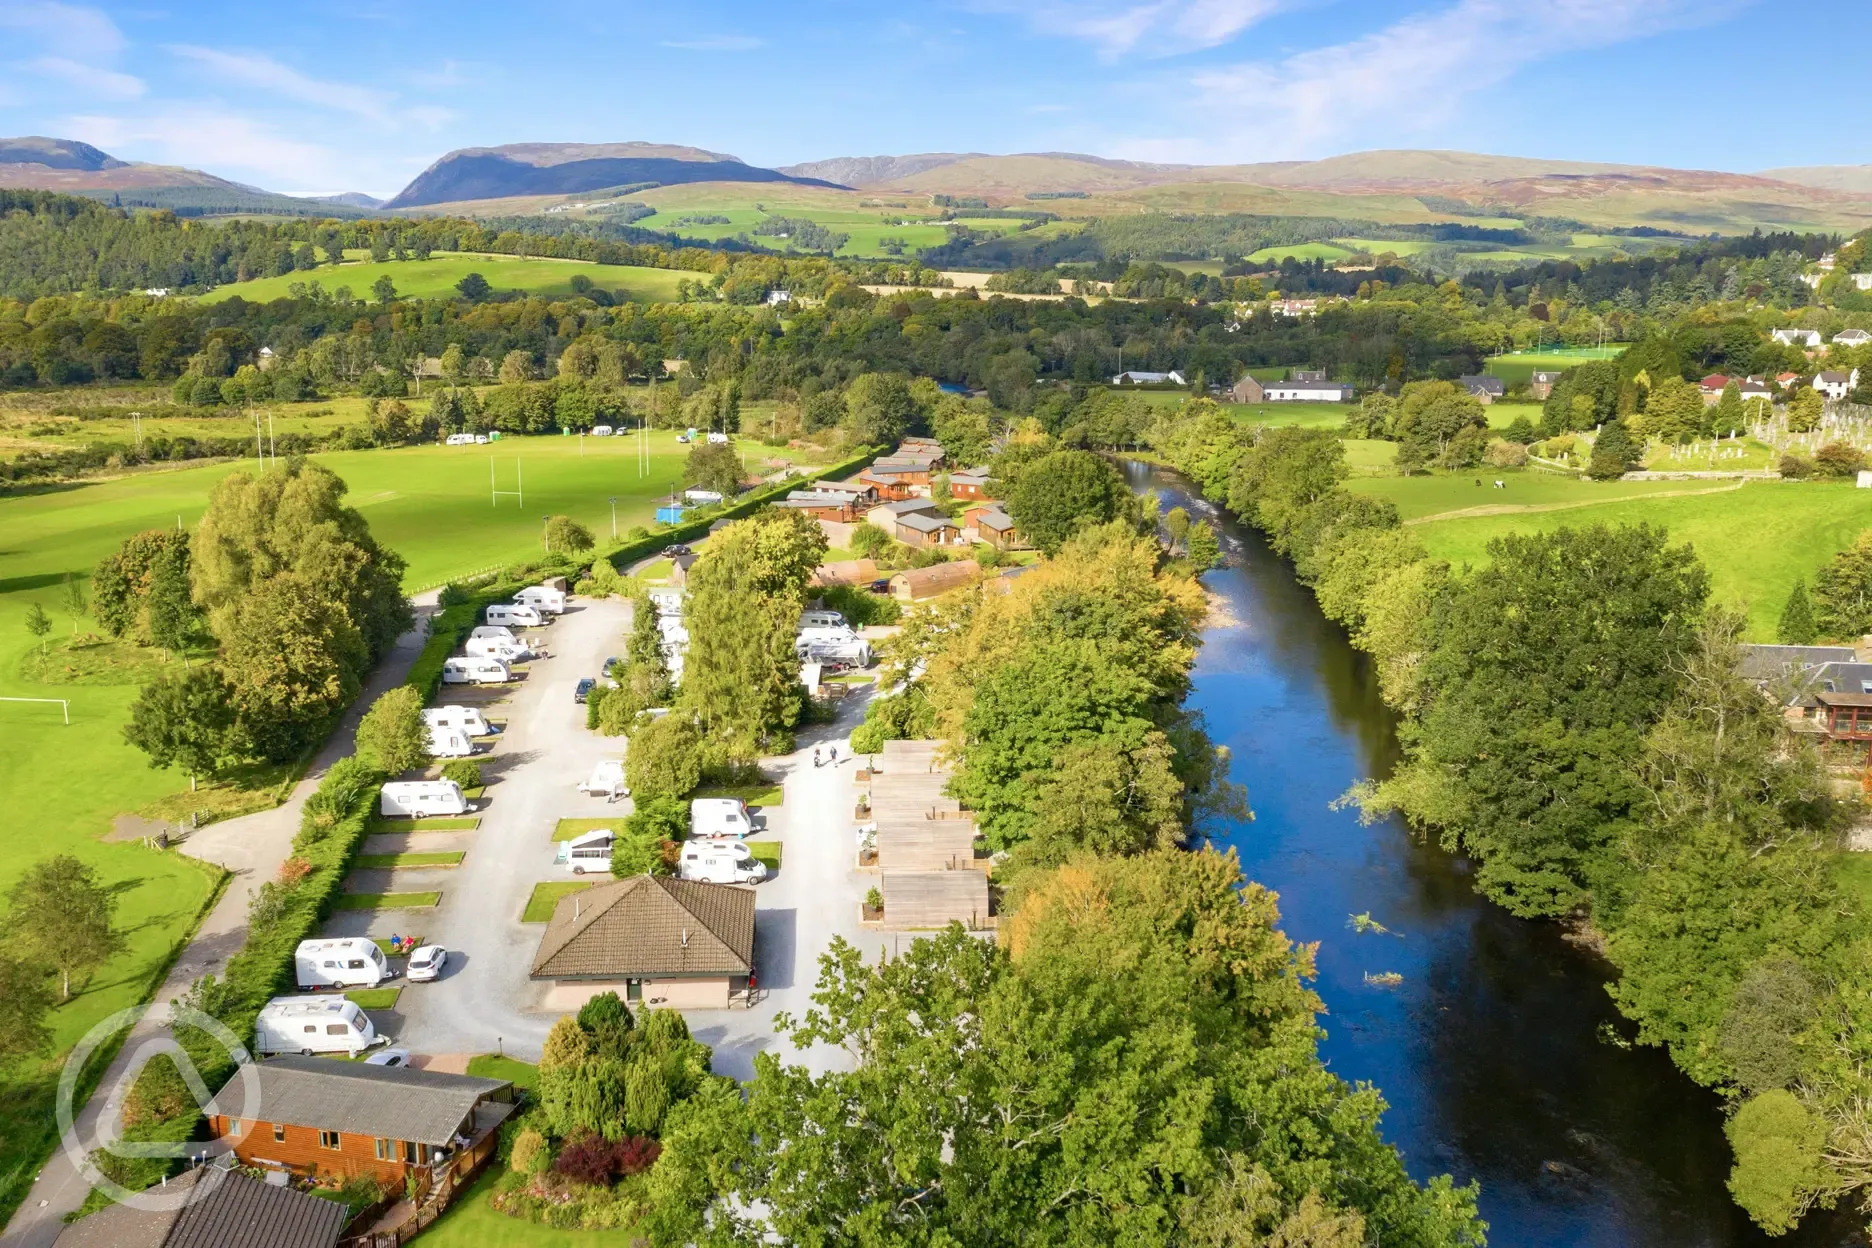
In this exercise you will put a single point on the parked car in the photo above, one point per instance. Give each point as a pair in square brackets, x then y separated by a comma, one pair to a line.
[583, 692]
[881, 586]
[611, 663]
[677, 548]
[426, 963]
[389, 1057]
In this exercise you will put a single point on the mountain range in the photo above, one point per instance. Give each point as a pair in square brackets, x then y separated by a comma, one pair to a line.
[528, 177]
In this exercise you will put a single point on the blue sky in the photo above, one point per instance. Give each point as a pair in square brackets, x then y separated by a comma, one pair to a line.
[363, 96]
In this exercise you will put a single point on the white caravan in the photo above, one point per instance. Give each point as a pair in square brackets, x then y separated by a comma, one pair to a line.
[702, 498]
[607, 780]
[601, 431]
[311, 1025]
[543, 598]
[472, 671]
[590, 851]
[719, 817]
[466, 718]
[496, 648]
[718, 862]
[349, 962]
[421, 798]
[461, 439]
[448, 741]
[514, 614]
[823, 619]
[855, 652]
[495, 631]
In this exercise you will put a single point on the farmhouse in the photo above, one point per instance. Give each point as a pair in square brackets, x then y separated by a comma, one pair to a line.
[1483, 387]
[1809, 338]
[1541, 384]
[214, 1207]
[918, 584]
[1137, 377]
[1248, 390]
[650, 939]
[347, 1119]
[1299, 391]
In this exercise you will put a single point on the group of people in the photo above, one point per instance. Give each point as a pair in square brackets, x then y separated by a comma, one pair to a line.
[819, 761]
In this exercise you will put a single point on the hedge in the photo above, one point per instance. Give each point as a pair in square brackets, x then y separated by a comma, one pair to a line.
[449, 628]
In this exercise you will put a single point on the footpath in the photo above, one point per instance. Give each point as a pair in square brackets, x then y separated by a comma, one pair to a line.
[252, 849]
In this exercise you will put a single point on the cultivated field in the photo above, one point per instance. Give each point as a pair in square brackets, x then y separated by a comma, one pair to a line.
[437, 276]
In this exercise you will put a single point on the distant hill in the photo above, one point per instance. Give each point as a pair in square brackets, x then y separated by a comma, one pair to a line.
[1852, 178]
[37, 163]
[481, 173]
[344, 199]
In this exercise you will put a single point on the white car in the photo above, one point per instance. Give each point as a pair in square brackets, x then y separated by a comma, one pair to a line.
[426, 963]
[389, 1057]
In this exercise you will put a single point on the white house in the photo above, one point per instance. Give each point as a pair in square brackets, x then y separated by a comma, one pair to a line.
[1836, 385]
[1307, 392]
[1852, 337]
[1809, 338]
[1136, 377]
[157, 292]
[775, 297]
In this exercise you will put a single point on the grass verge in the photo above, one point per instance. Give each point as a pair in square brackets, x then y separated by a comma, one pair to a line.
[389, 862]
[374, 998]
[767, 851]
[539, 907]
[752, 794]
[494, 1066]
[566, 829]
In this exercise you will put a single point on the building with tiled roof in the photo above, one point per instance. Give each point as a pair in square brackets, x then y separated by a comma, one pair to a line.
[655, 939]
[211, 1207]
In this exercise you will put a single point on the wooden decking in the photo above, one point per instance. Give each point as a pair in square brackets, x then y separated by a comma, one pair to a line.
[925, 846]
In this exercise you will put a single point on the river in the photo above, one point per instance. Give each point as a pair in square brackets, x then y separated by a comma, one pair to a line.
[1497, 1049]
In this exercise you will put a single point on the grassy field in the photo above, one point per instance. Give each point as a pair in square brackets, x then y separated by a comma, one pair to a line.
[868, 227]
[546, 895]
[1519, 366]
[566, 829]
[472, 1222]
[437, 276]
[1755, 540]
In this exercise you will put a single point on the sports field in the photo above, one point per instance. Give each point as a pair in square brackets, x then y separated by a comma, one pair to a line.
[436, 277]
[1519, 366]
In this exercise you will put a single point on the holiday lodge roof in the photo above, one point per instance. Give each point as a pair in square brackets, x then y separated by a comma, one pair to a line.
[649, 927]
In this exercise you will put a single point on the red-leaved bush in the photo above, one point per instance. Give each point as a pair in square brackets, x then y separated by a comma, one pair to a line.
[598, 1161]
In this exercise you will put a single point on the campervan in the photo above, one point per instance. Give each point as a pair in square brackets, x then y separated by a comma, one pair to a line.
[601, 431]
[668, 600]
[833, 634]
[447, 741]
[590, 851]
[607, 780]
[513, 614]
[465, 718]
[497, 648]
[543, 598]
[473, 671]
[717, 862]
[349, 962]
[719, 817]
[309, 1025]
[421, 798]
[823, 619]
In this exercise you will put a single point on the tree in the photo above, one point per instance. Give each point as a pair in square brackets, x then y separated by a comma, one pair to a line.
[1613, 453]
[1205, 551]
[393, 734]
[1804, 411]
[174, 622]
[1842, 591]
[72, 598]
[564, 535]
[1779, 1171]
[25, 1001]
[1728, 419]
[713, 466]
[516, 365]
[185, 721]
[1839, 459]
[384, 289]
[664, 758]
[1284, 473]
[121, 582]
[1177, 525]
[294, 660]
[62, 916]
[868, 541]
[878, 408]
[1064, 492]
[1675, 411]
[473, 286]
[1797, 627]
[38, 623]
[1431, 413]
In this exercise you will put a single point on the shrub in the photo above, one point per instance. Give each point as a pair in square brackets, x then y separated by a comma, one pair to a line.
[861, 607]
[594, 1160]
[1797, 467]
[463, 771]
[293, 871]
[1503, 454]
[530, 1154]
[664, 757]
[874, 899]
[1778, 1150]
[1839, 459]
[660, 818]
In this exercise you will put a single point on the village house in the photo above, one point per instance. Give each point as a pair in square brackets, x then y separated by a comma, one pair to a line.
[652, 939]
[969, 483]
[926, 530]
[346, 1119]
[680, 566]
[1809, 338]
[212, 1207]
[920, 584]
[1138, 377]
[1483, 387]
[1541, 384]
[1852, 337]
[1248, 390]
[1836, 385]
[1753, 390]
[1711, 388]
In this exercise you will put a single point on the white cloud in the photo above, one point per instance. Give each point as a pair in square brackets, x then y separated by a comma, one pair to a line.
[1153, 28]
[721, 43]
[105, 83]
[258, 70]
[1399, 81]
[69, 30]
[212, 138]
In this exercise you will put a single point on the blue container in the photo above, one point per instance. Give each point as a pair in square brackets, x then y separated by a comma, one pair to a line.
[671, 514]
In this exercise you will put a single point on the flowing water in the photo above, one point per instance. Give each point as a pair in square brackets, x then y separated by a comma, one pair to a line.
[1494, 1049]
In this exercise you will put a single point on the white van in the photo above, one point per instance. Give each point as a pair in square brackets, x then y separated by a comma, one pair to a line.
[350, 962]
[720, 862]
[465, 718]
[543, 598]
[719, 817]
[601, 431]
[607, 780]
[497, 648]
[473, 671]
[514, 614]
[311, 1025]
[590, 851]
[448, 741]
[420, 798]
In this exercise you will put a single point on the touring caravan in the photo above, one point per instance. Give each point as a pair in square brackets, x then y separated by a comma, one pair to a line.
[466, 718]
[717, 862]
[421, 798]
[514, 614]
[448, 741]
[719, 817]
[606, 781]
[496, 648]
[473, 671]
[855, 652]
[311, 1025]
[601, 431]
[461, 439]
[590, 851]
[496, 632]
[543, 598]
[823, 619]
[349, 962]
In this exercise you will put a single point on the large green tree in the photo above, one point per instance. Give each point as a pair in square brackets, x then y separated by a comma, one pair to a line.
[186, 720]
[1064, 492]
[63, 917]
[393, 734]
[713, 466]
[1842, 592]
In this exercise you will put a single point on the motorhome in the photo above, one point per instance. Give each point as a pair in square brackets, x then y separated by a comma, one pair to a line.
[606, 780]
[836, 634]
[448, 741]
[718, 439]
[475, 671]
[589, 851]
[514, 614]
[702, 498]
[543, 598]
[497, 648]
[466, 718]
[309, 1025]
[421, 798]
[719, 817]
[717, 862]
[348, 962]
[823, 619]
[853, 653]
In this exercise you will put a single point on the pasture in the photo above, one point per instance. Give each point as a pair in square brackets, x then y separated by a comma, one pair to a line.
[1519, 366]
[436, 278]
